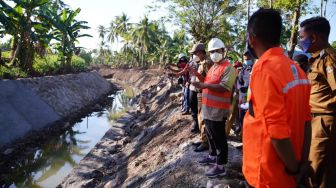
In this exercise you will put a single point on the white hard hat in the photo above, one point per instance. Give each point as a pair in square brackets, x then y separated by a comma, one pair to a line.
[181, 55]
[215, 43]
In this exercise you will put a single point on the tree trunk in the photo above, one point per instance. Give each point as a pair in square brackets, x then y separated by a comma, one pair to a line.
[142, 57]
[14, 46]
[28, 50]
[68, 62]
[294, 33]
[321, 8]
[15, 53]
[271, 3]
[248, 9]
[325, 8]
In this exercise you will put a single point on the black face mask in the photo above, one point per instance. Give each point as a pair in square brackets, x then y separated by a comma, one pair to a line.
[251, 51]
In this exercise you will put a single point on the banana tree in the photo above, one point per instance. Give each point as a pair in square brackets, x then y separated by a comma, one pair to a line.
[66, 31]
[21, 21]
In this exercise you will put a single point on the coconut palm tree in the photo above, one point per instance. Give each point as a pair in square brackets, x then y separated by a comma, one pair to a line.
[142, 35]
[122, 24]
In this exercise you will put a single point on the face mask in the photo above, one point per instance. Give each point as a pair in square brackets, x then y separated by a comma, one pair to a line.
[250, 50]
[305, 44]
[195, 58]
[216, 57]
[248, 62]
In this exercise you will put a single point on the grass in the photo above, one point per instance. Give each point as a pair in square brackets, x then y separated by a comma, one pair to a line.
[116, 115]
[129, 92]
[12, 72]
[48, 65]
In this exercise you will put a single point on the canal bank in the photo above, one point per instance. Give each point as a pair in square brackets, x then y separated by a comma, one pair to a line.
[153, 148]
[29, 105]
[47, 163]
[41, 119]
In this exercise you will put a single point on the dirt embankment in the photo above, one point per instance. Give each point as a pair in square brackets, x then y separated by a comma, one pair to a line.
[150, 149]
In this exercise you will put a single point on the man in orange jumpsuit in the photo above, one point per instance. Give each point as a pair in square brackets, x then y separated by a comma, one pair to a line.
[276, 134]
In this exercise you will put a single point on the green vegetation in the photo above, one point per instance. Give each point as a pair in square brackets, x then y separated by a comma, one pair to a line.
[44, 33]
[333, 44]
[50, 64]
[34, 26]
[43, 65]
[113, 116]
[144, 44]
[148, 43]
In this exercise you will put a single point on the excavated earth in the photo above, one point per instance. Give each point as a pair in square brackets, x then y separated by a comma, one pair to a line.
[153, 148]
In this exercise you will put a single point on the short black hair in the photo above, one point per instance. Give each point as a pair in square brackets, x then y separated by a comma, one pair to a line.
[301, 58]
[202, 51]
[247, 54]
[266, 25]
[183, 59]
[317, 25]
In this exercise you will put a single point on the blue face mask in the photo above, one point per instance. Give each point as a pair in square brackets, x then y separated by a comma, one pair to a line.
[305, 44]
[251, 51]
[248, 62]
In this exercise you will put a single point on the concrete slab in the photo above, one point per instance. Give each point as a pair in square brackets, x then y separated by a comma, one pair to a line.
[21, 111]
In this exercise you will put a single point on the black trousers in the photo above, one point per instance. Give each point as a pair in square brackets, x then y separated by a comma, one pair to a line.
[218, 146]
[194, 107]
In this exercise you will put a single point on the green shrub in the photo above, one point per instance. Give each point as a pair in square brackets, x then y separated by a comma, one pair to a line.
[6, 54]
[12, 72]
[51, 64]
[79, 64]
[46, 65]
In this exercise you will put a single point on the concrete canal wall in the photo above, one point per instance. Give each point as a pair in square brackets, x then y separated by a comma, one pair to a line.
[31, 104]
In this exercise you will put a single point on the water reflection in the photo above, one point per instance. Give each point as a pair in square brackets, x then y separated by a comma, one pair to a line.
[47, 165]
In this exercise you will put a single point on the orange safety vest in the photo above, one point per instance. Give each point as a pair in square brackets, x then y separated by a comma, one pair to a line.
[215, 99]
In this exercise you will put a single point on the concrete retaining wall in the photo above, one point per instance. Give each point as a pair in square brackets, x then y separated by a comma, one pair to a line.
[31, 104]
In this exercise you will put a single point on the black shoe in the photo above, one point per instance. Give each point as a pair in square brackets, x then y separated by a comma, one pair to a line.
[237, 130]
[195, 130]
[196, 144]
[201, 148]
[185, 113]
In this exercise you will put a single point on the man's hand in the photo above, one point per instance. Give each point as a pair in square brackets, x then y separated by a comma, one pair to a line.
[306, 172]
[170, 74]
[192, 71]
[199, 85]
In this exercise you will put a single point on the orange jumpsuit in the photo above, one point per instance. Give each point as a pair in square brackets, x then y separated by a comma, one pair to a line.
[279, 106]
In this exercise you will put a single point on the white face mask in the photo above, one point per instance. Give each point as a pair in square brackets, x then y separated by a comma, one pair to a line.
[196, 58]
[216, 57]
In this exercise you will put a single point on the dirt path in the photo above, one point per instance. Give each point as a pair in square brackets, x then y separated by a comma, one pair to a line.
[150, 149]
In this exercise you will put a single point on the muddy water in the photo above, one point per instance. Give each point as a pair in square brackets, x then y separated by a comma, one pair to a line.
[47, 165]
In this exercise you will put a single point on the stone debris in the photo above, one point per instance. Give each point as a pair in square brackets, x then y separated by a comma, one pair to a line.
[156, 149]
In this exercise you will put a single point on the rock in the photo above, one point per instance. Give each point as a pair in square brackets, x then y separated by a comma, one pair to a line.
[222, 186]
[67, 124]
[8, 151]
[96, 106]
[125, 141]
[112, 149]
[209, 184]
[111, 184]
[88, 183]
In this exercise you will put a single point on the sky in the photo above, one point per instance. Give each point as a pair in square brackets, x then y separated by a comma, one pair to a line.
[102, 12]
